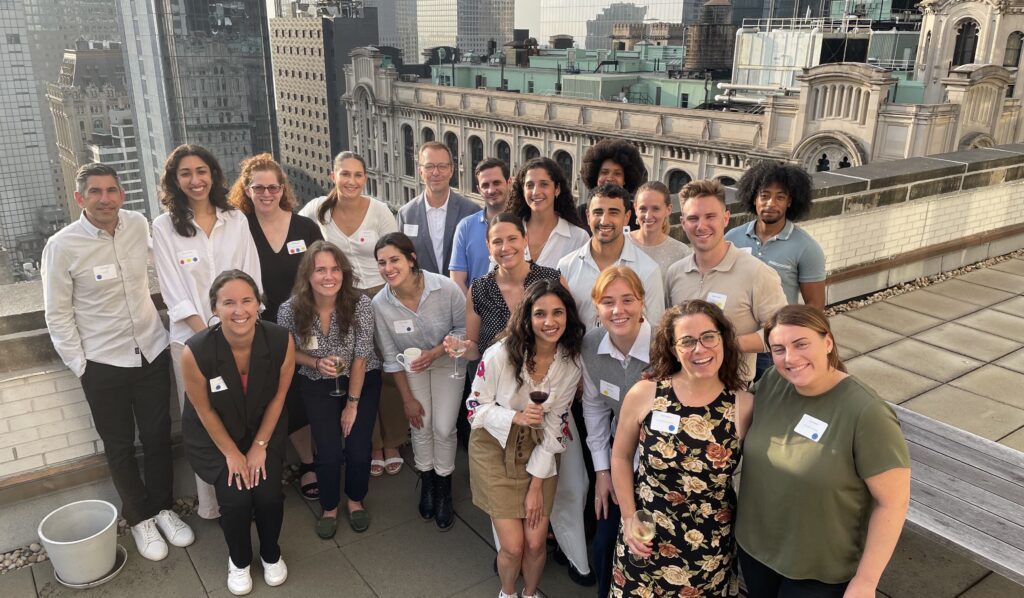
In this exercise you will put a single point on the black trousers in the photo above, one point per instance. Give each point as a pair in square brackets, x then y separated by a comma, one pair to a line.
[603, 547]
[324, 412]
[121, 399]
[238, 509]
[764, 582]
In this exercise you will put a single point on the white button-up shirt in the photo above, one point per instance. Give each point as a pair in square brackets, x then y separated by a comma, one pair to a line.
[436, 218]
[563, 240]
[187, 265]
[581, 272]
[96, 294]
[357, 247]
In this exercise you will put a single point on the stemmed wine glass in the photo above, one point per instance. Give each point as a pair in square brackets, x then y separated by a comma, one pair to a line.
[336, 361]
[642, 531]
[539, 392]
[458, 348]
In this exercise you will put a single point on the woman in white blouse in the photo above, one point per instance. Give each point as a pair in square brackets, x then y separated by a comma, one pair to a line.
[515, 443]
[354, 222]
[542, 196]
[198, 236]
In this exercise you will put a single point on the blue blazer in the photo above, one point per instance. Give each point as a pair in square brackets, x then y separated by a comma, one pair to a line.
[415, 213]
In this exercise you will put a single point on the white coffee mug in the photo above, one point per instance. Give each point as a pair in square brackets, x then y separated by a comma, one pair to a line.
[407, 357]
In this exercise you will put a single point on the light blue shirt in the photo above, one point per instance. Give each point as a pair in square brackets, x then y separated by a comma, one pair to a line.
[469, 250]
[793, 253]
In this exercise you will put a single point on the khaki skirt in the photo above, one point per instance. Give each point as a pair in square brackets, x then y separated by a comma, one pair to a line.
[498, 477]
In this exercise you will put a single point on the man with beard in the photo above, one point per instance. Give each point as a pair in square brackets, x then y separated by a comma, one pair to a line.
[779, 195]
[470, 256]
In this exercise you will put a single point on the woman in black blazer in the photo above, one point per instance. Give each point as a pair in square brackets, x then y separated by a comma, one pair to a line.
[236, 376]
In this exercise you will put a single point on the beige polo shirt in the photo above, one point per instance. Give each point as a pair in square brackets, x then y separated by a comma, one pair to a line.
[747, 290]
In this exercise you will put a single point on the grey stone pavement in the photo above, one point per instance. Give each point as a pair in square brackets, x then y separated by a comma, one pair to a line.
[953, 351]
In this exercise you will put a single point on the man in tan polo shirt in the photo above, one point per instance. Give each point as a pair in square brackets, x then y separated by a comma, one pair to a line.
[747, 290]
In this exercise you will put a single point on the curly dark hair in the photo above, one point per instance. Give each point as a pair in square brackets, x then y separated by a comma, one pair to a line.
[521, 341]
[665, 363]
[622, 153]
[793, 179]
[302, 293]
[564, 203]
[250, 166]
[174, 199]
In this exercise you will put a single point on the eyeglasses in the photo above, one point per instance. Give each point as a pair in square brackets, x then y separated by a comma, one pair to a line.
[709, 339]
[436, 167]
[261, 189]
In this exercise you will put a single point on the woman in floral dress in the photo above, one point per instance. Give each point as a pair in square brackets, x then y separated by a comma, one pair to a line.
[688, 420]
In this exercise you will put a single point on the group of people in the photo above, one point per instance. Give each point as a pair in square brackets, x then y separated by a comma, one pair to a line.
[550, 328]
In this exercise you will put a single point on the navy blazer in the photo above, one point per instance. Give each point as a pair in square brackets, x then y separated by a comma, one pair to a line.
[415, 213]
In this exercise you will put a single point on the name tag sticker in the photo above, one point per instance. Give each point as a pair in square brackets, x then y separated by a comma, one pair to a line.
[188, 258]
[367, 236]
[411, 230]
[664, 422]
[810, 427]
[105, 272]
[404, 326]
[718, 299]
[298, 246]
[312, 344]
[217, 384]
[609, 390]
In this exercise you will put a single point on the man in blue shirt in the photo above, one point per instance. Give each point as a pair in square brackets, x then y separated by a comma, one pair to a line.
[779, 195]
[470, 256]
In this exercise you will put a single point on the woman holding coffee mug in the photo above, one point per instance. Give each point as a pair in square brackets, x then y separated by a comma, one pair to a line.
[415, 311]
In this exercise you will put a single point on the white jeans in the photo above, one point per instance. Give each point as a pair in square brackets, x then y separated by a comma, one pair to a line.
[434, 444]
[208, 507]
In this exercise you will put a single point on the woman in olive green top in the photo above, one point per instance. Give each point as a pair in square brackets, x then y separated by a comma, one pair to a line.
[826, 472]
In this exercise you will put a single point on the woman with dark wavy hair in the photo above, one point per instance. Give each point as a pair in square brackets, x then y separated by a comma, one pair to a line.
[199, 236]
[688, 418]
[519, 412]
[542, 197]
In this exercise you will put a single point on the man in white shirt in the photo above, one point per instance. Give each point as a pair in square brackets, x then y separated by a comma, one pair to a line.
[608, 214]
[429, 220]
[105, 328]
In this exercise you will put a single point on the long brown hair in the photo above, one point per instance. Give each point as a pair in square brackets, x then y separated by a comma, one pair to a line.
[174, 199]
[322, 214]
[302, 293]
[812, 318]
[521, 342]
[250, 166]
[665, 363]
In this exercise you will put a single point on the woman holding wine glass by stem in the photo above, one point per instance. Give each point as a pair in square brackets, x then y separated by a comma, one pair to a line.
[515, 442]
[417, 311]
[333, 327]
[688, 418]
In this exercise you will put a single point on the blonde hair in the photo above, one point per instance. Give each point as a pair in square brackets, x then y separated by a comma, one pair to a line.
[656, 187]
[610, 275]
[811, 318]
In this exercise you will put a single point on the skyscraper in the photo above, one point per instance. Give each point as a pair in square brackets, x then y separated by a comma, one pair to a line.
[571, 17]
[467, 24]
[396, 26]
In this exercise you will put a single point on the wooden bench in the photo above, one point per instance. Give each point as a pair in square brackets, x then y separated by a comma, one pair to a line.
[966, 493]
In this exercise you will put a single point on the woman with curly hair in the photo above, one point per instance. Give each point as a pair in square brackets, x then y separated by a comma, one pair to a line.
[688, 418]
[542, 197]
[199, 235]
[263, 194]
[613, 161]
[519, 412]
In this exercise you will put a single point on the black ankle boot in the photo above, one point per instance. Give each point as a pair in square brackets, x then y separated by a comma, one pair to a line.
[445, 515]
[428, 494]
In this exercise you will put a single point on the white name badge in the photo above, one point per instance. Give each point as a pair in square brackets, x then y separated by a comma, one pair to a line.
[664, 422]
[411, 230]
[367, 236]
[105, 272]
[188, 258]
[810, 427]
[717, 299]
[609, 390]
[217, 384]
[298, 246]
[404, 326]
[312, 344]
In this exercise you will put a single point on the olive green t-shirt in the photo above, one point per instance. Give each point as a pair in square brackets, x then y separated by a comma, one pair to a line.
[803, 505]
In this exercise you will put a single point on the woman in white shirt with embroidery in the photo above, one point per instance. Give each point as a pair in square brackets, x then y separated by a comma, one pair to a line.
[198, 236]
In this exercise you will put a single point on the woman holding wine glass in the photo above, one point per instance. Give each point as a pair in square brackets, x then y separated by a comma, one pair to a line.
[333, 324]
[688, 418]
[515, 443]
[417, 310]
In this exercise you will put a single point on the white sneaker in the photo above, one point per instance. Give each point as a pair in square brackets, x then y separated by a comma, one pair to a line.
[275, 573]
[148, 540]
[502, 594]
[239, 580]
[175, 530]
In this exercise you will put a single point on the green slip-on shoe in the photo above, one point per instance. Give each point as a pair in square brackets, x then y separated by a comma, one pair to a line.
[359, 520]
[326, 527]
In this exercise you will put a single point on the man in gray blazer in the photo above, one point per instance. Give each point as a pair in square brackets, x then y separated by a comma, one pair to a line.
[431, 217]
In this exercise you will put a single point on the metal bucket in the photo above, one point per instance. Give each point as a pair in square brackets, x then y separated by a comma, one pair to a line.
[80, 540]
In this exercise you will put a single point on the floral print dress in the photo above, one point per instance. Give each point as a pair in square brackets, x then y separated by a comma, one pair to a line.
[685, 481]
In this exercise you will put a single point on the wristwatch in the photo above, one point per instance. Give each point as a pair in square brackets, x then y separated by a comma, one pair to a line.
[353, 399]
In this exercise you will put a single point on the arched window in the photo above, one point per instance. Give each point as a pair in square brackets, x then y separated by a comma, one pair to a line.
[727, 181]
[966, 42]
[427, 134]
[564, 161]
[1011, 58]
[530, 152]
[503, 152]
[408, 151]
[476, 156]
[823, 164]
[452, 142]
